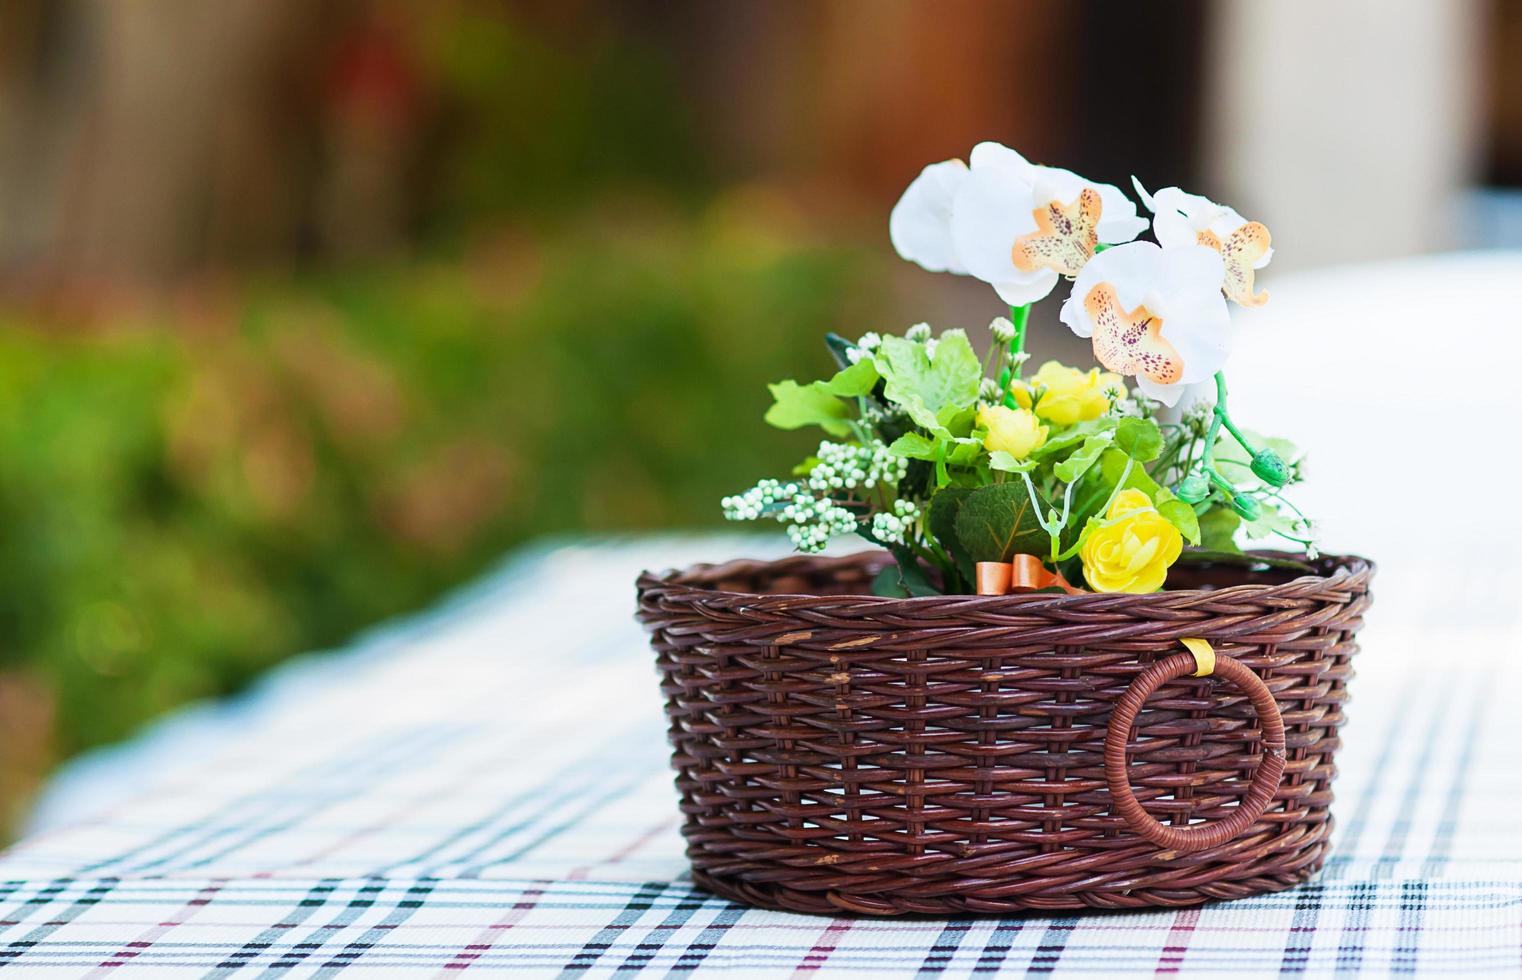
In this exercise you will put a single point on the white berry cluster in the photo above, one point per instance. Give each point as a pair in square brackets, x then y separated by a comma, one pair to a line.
[765, 499]
[809, 508]
[812, 521]
[890, 528]
[843, 466]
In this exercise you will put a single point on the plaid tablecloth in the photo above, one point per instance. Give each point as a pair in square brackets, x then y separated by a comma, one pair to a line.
[473, 790]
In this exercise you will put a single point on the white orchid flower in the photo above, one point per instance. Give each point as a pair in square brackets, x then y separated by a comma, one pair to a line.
[1180, 219]
[1011, 223]
[1154, 313]
[920, 224]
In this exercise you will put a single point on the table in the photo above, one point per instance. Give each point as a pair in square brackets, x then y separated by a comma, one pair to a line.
[431, 800]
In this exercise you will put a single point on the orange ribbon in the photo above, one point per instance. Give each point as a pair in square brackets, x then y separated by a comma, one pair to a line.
[1024, 573]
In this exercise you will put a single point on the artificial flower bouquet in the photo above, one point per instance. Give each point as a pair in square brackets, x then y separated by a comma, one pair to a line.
[982, 477]
[1066, 692]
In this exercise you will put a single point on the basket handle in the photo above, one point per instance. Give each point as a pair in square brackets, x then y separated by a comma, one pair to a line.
[1265, 781]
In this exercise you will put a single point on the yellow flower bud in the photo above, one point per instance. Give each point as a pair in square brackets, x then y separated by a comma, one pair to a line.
[1014, 430]
[1132, 549]
[1071, 395]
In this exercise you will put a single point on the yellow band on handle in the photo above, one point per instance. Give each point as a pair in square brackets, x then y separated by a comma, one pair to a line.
[1204, 655]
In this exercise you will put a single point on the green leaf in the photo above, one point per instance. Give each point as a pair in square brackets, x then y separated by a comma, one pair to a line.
[857, 380]
[1140, 439]
[1113, 463]
[904, 578]
[924, 386]
[886, 583]
[838, 346]
[942, 518]
[964, 451]
[1218, 528]
[1072, 436]
[954, 452]
[999, 521]
[957, 420]
[1094, 491]
[912, 445]
[1072, 469]
[795, 406]
[1004, 462]
[1181, 516]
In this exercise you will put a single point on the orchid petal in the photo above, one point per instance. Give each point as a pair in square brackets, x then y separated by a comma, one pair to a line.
[992, 208]
[920, 224]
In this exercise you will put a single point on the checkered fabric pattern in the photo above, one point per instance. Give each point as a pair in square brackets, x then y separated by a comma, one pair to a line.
[432, 801]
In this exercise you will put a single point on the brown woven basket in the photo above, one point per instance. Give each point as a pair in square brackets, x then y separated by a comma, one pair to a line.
[837, 751]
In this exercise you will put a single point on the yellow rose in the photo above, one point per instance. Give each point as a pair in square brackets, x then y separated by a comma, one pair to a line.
[1132, 549]
[1014, 430]
[1071, 395]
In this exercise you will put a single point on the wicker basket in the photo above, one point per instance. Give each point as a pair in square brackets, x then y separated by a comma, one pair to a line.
[837, 751]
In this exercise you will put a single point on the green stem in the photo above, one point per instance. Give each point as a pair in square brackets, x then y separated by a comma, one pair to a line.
[1187, 463]
[1125, 475]
[1053, 530]
[1161, 465]
[1298, 513]
[1216, 418]
[1224, 415]
[1018, 317]
[1067, 513]
[1030, 489]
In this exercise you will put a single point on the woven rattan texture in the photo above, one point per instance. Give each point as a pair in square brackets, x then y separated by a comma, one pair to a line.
[837, 751]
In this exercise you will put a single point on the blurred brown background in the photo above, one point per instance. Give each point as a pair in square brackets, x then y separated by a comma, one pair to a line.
[309, 311]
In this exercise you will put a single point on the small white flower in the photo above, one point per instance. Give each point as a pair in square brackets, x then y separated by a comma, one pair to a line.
[1126, 408]
[1003, 331]
[1011, 223]
[1154, 313]
[854, 354]
[870, 341]
[1181, 219]
[919, 333]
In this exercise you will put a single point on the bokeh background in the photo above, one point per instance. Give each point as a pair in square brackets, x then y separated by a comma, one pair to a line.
[312, 310]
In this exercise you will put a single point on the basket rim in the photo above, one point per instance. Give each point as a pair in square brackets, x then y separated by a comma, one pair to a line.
[1348, 571]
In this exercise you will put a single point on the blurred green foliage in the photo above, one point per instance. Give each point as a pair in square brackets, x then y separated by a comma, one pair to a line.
[529, 121]
[189, 497]
[197, 483]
